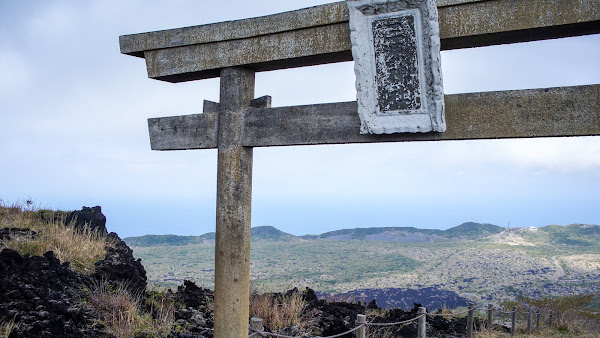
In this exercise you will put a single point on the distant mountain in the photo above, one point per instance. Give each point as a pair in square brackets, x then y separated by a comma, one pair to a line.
[472, 230]
[156, 240]
[575, 234]
[269, 233]
[368, 233]
[260, 233]
[469, 230]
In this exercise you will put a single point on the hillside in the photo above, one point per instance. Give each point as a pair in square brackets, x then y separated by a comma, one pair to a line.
[471, 230]
[465, 231]
[269, 233]
[155, 240]
[260, 233]
[574, 234]
[476, 261]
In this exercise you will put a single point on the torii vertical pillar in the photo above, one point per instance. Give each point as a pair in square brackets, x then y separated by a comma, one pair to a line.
[234, 199]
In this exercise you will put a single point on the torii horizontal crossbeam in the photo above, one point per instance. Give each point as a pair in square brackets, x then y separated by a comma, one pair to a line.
[321, 34]
[563, 111]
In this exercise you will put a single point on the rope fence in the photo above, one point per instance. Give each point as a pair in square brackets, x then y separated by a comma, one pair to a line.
[257, 330]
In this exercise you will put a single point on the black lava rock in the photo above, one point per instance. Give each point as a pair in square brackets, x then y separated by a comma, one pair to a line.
[196, 316]
[44, 297]
[88, 217]
[119, 267]
[9, 234]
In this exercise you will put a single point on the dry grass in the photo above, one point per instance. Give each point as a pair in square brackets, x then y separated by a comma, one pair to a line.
[278, 312]
[380, 332]
[569, 313]
[569, 317]
[6, 328]
[121, 312]
[14, 215]
[162, 308]
[82, 248]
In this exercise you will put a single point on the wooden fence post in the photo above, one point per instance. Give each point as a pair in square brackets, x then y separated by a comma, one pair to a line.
[422, 323]
[490, 316]
[550, 318]
[538, 316]
[256, 324]
[470, 320]
[513, 326]
[529, 315]
[361, 319]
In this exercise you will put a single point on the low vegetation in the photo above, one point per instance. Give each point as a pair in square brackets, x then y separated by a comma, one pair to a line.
[47, 232]
[122, 312]
[570, 313]
[278, 311]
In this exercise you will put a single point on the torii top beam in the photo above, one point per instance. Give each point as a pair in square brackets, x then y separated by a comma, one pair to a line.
[320, 35]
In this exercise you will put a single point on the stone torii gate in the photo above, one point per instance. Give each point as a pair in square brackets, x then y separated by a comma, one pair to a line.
[235, 50]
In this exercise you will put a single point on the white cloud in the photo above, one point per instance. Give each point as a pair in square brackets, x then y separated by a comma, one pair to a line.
[52, 20]
[15, 72]
[564, 155]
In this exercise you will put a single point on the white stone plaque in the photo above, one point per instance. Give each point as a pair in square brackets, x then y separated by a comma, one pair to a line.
[396, 50]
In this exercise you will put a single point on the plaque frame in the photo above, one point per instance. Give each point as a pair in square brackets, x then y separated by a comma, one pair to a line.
[430, 114]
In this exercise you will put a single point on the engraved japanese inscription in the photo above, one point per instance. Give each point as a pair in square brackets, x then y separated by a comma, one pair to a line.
[396, 49]
[397, 64]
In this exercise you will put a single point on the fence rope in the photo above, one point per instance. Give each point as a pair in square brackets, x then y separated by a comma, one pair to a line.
[397, 323]
[267, 334]
[447, 314]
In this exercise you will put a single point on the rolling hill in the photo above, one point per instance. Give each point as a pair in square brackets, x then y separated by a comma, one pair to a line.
[260, 233]
[476, 261]
[465, 231]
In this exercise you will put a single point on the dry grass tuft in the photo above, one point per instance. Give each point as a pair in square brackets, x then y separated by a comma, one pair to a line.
[14, 215]
[380, 332]
[278, 311]
[82, 248]
[121, 312]
[162, 307]
[7, 327]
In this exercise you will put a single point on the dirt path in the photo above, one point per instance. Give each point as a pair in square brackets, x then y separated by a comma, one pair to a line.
[559, 269]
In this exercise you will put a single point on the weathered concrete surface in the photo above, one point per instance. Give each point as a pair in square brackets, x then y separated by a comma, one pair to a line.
[234, 194]
[261, 53]
[484, 23]
[553, 112]
[328, 14]
[566, 111]
[463, 24]
[198, 131]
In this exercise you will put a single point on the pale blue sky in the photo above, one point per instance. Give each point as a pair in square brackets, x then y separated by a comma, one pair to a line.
[73, 132]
